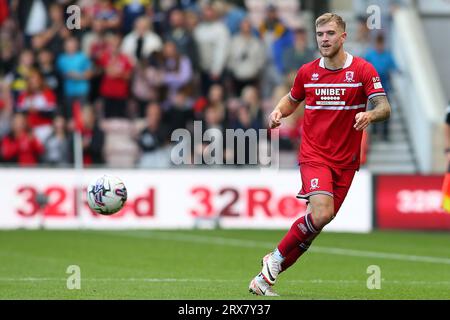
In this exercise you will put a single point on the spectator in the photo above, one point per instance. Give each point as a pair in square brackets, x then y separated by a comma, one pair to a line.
[33, 18]
[57, 144]
[247, 153]
[180, 113]
[182, 37]
[20, 145]
[188, 4]
[362, 37]
[38, 103]
[250, 116]
[37, 43]
[289, 133]
[212, 38]
[214, 116]
[147, 82]
[7, 58]
[297, 55]
[76, 70]
[93, 43]
[49, 73]
[247, 59]
[5, 110]
[191, 20]
[276, 37]
[10, 46]
[16, 80]
[233, 104]
[384, 63]
[104, 11]
[213, 131]
[131, 10]
[141, 42]
[152, 139]
[177, 72]
[93, 139]
[94, 46]
[231, 14]
[250, 97]
[216, 100]
[198, 72]
[386, 9]
[244, 118]
[53, 37]
[114, 87]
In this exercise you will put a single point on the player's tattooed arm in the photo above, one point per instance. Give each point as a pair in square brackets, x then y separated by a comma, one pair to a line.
[380, 112]
[382, 109]
[285, 107]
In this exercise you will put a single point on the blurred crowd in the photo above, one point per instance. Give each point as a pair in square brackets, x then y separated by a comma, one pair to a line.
[141, 69]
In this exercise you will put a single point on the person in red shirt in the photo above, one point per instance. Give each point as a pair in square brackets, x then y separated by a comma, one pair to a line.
[38, 102]
[114, 86]
[21, 146]
[335, 89]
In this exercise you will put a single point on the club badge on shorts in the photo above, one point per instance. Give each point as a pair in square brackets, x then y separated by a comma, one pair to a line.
[314, 184]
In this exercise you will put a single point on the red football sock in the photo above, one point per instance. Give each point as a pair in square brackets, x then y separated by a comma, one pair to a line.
[296, 253]
[301, 230]
[291, 258]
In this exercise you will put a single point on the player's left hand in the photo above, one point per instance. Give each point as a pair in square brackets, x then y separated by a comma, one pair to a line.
[363, 119]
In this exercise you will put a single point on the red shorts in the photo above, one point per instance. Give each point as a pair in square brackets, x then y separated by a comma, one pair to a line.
[322, 179]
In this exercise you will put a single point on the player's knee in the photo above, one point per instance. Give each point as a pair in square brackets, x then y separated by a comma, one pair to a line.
[323, 213]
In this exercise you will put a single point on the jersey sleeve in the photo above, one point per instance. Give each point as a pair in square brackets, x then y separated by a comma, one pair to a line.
[371, 82]
[297, 92]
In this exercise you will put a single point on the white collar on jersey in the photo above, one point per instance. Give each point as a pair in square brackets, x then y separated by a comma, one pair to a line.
[348, 61]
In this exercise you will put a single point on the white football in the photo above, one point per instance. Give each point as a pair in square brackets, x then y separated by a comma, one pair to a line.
[106, 195]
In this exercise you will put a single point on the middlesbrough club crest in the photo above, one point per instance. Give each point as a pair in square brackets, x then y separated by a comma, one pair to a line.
[314, 184]
[349, 76]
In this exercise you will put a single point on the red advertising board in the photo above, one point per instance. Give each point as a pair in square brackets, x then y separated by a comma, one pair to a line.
[172, 199]
[410, 202]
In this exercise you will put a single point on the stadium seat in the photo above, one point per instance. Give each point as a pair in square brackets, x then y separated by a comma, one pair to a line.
[120, 147]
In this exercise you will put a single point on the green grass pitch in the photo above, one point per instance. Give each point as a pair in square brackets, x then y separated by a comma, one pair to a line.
[219, 264]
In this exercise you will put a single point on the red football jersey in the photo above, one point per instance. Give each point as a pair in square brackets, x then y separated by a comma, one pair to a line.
[333, 98]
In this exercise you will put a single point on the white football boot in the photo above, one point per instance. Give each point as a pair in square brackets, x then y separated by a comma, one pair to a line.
[270, 268]
[260, 287]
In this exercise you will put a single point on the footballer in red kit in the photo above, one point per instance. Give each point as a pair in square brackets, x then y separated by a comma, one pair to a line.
[334, 91]
[332, 100]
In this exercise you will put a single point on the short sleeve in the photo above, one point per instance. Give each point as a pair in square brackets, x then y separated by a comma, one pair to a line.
[371, 82]
[297, 92]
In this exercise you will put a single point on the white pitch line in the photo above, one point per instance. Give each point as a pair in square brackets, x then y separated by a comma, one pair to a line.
[310, 281]
[34, 279]
[182, 237]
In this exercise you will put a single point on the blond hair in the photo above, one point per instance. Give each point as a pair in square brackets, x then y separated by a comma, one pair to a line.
[328, 17]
